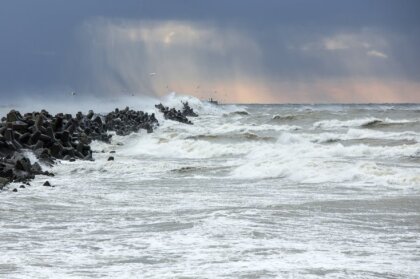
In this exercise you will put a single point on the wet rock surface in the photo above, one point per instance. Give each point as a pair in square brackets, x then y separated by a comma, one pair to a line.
[177, 115]
[126, 121]
[187, 110]
[61, 136]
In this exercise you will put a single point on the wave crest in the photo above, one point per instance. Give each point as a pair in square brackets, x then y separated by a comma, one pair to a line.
[362, 122]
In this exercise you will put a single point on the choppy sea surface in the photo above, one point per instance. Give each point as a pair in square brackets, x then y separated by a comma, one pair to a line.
[248, 191]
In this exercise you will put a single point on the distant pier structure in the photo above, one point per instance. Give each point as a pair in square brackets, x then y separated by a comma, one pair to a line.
[212, 101]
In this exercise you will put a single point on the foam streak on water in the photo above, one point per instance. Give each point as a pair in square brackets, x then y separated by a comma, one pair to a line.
[246, 192]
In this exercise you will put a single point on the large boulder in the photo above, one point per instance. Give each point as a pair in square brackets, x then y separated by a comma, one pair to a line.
[3, 182]
[13, 116]
[56, 150]
[36, 168]
[21, 162]
[20, 126]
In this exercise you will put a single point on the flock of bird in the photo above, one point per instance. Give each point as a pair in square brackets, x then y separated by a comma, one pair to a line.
[152, 74]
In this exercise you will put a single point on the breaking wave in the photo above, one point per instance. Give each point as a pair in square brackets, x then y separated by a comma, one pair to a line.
[233, 192]
[287, 117]
[363, 122]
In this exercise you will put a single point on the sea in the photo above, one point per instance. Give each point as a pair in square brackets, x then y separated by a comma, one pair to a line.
[248, 191]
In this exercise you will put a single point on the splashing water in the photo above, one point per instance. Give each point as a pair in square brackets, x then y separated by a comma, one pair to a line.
[272, 191]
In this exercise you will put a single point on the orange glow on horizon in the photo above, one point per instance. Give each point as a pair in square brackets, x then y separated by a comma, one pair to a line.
[320, 91]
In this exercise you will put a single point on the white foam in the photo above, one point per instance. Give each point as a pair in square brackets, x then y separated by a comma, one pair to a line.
[175, 206]
[201, 107]
[295, 158]
[359, 134]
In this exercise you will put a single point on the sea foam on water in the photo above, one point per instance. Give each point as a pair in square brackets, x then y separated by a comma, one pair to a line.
[323, 192]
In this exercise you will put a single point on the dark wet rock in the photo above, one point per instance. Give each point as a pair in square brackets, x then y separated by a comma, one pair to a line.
[24, 139]
[88, 157]
[65, 136]
[127, 121]
[19, 126]
[110, 158]
[68, 151]
[97, 119]
[39, 145]
[40, 152]
[112, 152]
[47, 140]
[3, 182]
[58, 123]
[8, 135]
[47, 184]
[35, 137]
[36, 168]
[56, 150]
[60, 137]
[47, 173]
[79, 147]
[67, 158]
[90, 114]
[14, 190]
[187, 110]
[21, 162]
[43, 155]
[6, 172]
[78, 154]
[13, 116]
[39, 121]
[22, 186]
[50, 133]
[173, 114]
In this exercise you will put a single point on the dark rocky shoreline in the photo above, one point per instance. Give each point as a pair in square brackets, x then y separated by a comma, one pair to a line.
[64, 137]
[177, 115]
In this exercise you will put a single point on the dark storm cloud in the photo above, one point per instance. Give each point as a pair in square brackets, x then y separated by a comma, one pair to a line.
[41, 48]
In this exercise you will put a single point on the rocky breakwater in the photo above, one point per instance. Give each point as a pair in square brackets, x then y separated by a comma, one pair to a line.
[187, 110]
[59, 137]
[126, 121]
[177, 115]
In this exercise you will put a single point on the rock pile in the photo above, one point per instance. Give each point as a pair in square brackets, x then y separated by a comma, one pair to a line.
[173, 114]
[126, 121]
[51, 137]
[59, 137]
[187, 110]
[18, 168]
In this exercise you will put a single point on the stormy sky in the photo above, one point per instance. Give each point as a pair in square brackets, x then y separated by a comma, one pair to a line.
[251, 51]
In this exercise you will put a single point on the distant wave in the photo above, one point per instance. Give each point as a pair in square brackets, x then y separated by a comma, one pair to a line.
[240, 112]
[384, 123]
[294, 158]
[366, 136]
[286, 117]
[232, 137]
[188, 169]
[237, 112]
[363, 123]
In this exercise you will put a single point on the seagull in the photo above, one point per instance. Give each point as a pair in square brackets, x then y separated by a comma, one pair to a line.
[73, 93]
[152, 74]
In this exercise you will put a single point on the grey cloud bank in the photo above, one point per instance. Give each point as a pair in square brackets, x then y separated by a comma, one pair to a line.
[249, 51]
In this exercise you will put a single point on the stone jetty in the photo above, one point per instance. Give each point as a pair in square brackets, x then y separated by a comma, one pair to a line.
[62, 136]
